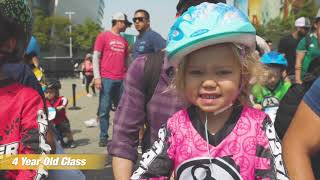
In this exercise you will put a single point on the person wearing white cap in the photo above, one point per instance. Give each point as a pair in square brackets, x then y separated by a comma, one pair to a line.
[289, 43]
[109, 68]
[307, 50]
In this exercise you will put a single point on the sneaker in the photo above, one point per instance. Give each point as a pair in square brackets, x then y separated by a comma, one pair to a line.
[69, 144]
[89, 95]
[108, 161]
[72, 145]
[93, 122]
[102, 143]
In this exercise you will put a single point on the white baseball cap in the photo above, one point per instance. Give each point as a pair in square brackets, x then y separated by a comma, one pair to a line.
[122, 17]
[88, 56]
[302, 22]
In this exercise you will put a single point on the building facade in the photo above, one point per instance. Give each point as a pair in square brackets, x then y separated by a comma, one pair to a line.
[46, 6]
[83, 9]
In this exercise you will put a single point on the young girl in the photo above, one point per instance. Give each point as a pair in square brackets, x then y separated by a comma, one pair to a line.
[60, 122]
[267, 96]
[218, 136]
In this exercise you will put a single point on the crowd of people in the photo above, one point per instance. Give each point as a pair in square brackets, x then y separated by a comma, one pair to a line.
[213, 101]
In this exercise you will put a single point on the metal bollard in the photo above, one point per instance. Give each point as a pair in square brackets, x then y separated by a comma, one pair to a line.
[74, 107]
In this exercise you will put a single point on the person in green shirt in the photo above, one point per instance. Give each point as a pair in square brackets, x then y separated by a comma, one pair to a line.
[276, 86]
[307, 50]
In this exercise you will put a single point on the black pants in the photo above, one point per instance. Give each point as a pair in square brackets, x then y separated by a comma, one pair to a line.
[88, 81]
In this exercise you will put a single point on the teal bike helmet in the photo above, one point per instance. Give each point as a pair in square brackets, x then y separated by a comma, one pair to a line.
[208, 24]
[274, 57]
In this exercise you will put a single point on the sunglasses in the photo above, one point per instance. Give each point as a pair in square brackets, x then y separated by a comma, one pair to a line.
[138, 19]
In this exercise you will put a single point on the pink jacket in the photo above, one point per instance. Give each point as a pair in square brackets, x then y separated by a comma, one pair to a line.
[246, 148]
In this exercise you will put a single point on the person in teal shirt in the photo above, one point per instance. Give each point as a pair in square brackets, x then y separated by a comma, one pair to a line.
[271, 93]
[307, 50]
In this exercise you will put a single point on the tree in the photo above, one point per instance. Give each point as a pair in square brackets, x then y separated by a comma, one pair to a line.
[43, 27]
[85, 34]
[61, 34]
[309, 9]
[279, 26]
[40, 28]
[52, 32]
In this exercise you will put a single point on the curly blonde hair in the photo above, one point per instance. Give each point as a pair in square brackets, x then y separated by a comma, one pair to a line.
[252, 71]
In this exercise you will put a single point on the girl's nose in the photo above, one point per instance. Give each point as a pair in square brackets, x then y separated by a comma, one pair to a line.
[272, 79]
[209, 84]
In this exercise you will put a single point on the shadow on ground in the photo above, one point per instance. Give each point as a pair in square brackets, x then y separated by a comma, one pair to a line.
[82, 142]
[76, 131]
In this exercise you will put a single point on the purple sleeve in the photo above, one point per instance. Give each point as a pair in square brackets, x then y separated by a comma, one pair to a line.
[130, 114]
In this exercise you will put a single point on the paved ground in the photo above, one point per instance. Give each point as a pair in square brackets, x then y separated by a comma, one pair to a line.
[86, 139]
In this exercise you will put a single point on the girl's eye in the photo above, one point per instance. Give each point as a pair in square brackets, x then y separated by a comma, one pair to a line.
[195, 72]
[224, 72]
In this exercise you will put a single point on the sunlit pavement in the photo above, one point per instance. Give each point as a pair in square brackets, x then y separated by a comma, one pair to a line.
[86, 139]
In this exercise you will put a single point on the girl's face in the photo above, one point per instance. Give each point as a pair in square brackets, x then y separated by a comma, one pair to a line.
[50, 93]
[212, 78]
[274, 76]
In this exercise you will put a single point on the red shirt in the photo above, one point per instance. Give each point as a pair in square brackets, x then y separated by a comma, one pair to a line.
[61, 115]
[114, 51]
[23, 126]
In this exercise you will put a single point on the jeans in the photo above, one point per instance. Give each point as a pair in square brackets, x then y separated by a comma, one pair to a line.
[88, 82]
[111, 90]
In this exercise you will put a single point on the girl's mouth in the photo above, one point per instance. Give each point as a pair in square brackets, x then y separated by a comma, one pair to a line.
[208, 96]
[208, 99]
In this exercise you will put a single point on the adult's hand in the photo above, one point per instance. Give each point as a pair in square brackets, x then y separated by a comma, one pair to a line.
[122, 168]
[98, 83]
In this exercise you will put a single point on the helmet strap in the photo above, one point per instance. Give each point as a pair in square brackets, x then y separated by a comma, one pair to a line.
[223, 109]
